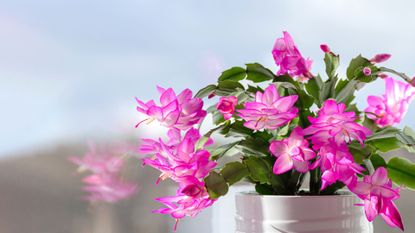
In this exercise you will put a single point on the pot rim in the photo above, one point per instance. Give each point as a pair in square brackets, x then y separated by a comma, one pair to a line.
[342, 193]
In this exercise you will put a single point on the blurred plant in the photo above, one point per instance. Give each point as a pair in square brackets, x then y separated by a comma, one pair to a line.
[104, 182]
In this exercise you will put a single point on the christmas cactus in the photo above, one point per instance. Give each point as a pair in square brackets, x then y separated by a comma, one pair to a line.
[286, 125]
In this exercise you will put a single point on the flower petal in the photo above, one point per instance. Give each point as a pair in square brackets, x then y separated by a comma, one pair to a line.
[283, 164]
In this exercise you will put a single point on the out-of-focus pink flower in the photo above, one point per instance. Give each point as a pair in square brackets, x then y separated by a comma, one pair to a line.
[333, 122]
[191, 198]
[289, 59]
[378, 195]
[98, 160]
[325, 48]
[178, 158]
[367, 71]
[105, 182]
[180, 111]
[390, 108]
[292, 152]
[226, 106]
[378, 58]
[337, 164]
[269, 110]
[108, 187]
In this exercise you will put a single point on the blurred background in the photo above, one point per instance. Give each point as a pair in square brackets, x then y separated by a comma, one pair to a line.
[69, 72]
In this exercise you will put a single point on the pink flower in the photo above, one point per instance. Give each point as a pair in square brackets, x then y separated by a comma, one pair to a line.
[98, 161]
[292, 152]
[337, 164]
[333, 122]
[289, 58]
[390, 108]
[378, 58]
[181, 111]
[325, 48]
[105, 182]
[226, 106]
[269, 110]
[191, 198]
[367, 71]
[108, 187]
[178, 159]
[377, 193]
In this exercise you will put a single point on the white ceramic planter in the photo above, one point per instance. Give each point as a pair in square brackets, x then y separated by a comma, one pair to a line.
[296, 214]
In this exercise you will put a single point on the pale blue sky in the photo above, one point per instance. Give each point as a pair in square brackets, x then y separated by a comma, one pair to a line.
[69, 70]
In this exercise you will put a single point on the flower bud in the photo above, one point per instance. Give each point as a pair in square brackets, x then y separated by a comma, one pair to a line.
[325, 48]
[378, 58]
[226, 106]
[367, 71]
[382, 75]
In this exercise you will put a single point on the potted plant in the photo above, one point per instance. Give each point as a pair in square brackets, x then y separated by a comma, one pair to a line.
[289, 126]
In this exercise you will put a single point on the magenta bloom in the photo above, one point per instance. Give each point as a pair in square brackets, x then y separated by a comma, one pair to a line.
[289, 59]
[333, 122]
[269, 110]
[178, 158]
[378, 58]
[378, 195]
[191, 198]
[337, 164]
[325, 48]
[390, 108]
[227, 105]
[292, 152]
[181, 111]
[105, 182]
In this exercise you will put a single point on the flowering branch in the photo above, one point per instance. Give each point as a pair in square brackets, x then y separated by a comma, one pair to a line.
[400, 74]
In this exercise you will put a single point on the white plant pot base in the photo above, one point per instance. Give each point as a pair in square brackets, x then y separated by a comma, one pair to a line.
[300, 214]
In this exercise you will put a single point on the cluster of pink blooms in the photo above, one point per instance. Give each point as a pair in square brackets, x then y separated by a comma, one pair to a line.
[289, 59]
[180, 158]
[331, 131]
[390, 108]
[269, 110]
[105, 182]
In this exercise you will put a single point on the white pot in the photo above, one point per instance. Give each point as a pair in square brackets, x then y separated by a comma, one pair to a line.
[296, 214]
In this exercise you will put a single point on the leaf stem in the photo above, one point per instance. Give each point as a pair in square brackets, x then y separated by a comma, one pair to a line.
[315, 181]
[369, 166]
[400, 74]
[300, 182]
